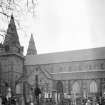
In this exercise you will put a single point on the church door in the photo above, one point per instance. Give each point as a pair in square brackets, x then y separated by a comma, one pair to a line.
[59, 91]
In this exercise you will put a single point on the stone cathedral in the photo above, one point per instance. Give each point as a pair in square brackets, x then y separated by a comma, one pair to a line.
[79, 72]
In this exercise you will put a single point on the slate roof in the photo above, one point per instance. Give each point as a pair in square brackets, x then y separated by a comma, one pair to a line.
[67, 56]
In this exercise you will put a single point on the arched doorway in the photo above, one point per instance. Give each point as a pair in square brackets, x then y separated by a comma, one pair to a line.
[59, 88]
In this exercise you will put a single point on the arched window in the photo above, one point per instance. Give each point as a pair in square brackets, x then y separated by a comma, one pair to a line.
[93, 87]
[18, 88]
[59, 87]
[6, 48]
[76, 87]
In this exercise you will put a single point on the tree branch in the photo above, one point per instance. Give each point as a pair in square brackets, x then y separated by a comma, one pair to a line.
[4, 14]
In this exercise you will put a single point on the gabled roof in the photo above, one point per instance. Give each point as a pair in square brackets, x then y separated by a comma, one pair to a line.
[68, 56]
[48, 75]
[40, 67]
[31, 48]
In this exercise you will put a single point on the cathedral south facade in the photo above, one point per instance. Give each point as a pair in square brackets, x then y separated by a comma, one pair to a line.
[78, 73]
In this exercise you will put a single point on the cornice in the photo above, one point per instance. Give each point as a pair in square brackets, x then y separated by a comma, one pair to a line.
[10, 54]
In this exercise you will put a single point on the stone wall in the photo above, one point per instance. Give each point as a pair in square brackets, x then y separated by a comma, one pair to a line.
[75, 66]
[12, 70]
[86, 75]
[82, 88]
[45, 83]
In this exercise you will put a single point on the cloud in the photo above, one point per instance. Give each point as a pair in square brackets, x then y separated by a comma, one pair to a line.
[70, 24]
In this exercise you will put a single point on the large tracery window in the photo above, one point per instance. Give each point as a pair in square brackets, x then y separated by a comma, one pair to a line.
[76, 87]
[18, 88]
[93, 87]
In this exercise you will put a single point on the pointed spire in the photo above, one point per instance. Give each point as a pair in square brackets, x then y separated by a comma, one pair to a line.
[31, 48]
[11, 37]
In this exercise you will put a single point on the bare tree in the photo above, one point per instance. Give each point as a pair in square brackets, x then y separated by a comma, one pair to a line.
[18, 8]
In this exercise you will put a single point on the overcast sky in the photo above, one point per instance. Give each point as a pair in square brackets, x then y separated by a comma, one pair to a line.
[64, 25]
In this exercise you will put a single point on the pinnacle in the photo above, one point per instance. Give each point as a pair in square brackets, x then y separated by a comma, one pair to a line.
[31, 48]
